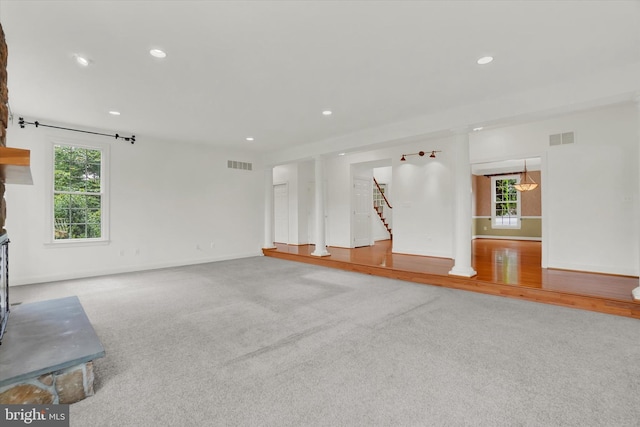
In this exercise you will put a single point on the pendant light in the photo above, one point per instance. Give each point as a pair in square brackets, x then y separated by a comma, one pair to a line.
[526, 185]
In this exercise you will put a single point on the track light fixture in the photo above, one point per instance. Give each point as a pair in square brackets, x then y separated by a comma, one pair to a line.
[421, 154]
[22, 122]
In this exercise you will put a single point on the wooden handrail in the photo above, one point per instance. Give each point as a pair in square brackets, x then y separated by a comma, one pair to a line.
[382, 192]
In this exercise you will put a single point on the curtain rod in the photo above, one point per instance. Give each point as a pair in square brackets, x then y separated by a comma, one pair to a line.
[22, 122]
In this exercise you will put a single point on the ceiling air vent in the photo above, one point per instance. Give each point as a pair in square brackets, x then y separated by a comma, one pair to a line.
[561, 138]
[233, 164]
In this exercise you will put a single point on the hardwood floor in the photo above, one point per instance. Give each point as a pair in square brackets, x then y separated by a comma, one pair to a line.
[506, 268]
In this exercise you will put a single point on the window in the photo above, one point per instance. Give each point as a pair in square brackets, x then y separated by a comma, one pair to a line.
[505, 206]
[378, 200]
[79, 201]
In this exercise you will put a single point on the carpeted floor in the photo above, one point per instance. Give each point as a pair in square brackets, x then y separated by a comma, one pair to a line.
[266, 342]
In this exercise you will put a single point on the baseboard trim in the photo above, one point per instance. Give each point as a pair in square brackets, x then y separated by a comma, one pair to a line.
[22, 281]
[594, 269]
[484, 236]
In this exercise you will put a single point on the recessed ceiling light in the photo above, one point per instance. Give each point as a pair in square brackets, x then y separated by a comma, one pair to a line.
[158, 53]
[249, 138]
[114, 113]
[327, 112]
[82, 60]
[485, 60]
[477, 129]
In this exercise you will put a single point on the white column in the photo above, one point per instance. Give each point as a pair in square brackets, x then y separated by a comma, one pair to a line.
[636, 291]
[268, 209]
[462, 206]
[321, 245]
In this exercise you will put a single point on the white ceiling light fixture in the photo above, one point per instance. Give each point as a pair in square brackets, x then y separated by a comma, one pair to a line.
[249, 138]
[114, 113]
[158, 53]
[485, 60]
[81, 60]
[477, 129]
[327, 112]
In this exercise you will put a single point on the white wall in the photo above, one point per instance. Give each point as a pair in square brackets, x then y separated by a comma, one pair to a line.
[300, 180]
[422, 204]
[423, 201]
[166, 199]
[306, 202]
[589, 189]
[288, 174]
[338, 201]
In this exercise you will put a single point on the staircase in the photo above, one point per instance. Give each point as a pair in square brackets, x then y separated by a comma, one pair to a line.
[379, 211]
[378, 205]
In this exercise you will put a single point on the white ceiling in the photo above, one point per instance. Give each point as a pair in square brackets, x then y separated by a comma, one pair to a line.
[267, 69]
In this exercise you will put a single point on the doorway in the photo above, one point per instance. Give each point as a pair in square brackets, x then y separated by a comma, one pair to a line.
[502, 213]
[281, 213]
[362, 207]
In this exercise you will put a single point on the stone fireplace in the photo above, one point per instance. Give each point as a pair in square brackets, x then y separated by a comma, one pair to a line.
[4, 241]
[47, 347]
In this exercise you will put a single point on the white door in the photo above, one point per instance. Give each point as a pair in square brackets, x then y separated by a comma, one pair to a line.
[281, 213]
[362, 203]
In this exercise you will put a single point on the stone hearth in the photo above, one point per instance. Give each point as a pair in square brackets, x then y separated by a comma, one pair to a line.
[47, 354]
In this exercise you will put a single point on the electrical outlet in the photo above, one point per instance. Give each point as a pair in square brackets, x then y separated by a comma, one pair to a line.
[212, 245]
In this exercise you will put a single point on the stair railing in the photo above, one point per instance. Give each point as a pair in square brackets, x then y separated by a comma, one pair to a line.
[382, 192]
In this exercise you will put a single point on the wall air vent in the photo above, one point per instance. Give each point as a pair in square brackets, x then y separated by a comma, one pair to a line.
[555, 139]
[568, 138]
[561, 138]
[233, 164]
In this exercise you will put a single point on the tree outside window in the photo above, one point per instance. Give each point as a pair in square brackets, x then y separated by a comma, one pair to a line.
[78, 193]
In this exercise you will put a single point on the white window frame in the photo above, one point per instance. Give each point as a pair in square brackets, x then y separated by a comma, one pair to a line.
[104, 238]
[516, 224]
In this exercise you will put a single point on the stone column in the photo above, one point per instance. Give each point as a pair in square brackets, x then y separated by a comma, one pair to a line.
[462, 206]
[321, 245]
[268, 209]
[4, 118]
[636, 291]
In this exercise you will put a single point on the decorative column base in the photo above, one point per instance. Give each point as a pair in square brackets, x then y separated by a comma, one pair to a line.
[320, 252]
[464, 272]
[636, 293]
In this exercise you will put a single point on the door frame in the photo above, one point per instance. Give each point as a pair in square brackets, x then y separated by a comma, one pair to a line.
[354, 203]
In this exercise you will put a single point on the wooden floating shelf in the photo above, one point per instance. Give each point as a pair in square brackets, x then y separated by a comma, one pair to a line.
[15, 166]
